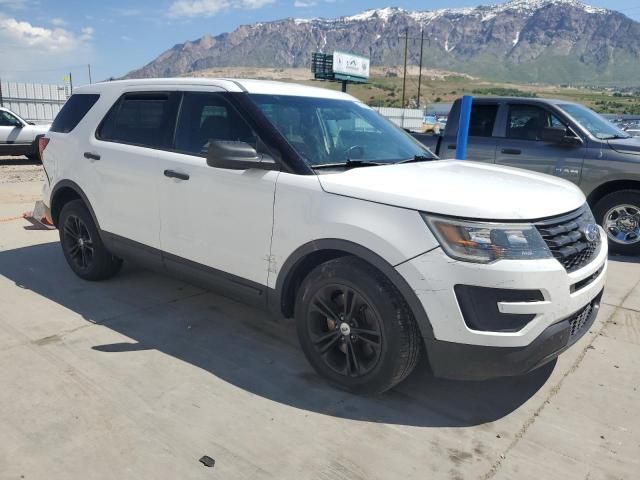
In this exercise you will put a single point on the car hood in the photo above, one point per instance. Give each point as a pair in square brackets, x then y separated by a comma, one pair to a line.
[459, 188]
[40, 128]
[626, 145]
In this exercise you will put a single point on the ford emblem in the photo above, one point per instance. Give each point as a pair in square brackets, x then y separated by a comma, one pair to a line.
[590, 232]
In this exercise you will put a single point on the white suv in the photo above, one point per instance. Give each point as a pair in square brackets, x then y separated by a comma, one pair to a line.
[308, 203]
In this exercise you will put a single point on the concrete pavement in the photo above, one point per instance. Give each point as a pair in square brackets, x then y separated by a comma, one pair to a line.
[140, 376]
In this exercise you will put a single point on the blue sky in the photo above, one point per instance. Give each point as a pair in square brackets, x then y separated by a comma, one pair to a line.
[42, 40]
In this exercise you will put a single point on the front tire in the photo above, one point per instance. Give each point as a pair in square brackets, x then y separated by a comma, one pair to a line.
[82, 246]
[355, 328]
[619, 215]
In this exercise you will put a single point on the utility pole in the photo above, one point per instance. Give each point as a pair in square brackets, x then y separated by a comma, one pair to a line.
[89, 68]
[404, 80]
[1, 97]
[70, 83]
[420, 75]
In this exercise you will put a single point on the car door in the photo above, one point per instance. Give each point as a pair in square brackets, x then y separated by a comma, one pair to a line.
[522, 145]
[12, 132]
[482, 144]
[215, 220]
[126, 155]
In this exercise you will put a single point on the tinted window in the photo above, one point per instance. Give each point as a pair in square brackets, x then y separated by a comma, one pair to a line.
[8, 120]
[208, 116]
[73, 111]
[526, 122]
[483, 118]
[326, 131]
[140, 119]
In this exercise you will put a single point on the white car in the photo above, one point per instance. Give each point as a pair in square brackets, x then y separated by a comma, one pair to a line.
[19, 137]
[306, 202]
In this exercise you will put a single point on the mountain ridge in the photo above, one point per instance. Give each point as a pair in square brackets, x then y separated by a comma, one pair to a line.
[549, 41]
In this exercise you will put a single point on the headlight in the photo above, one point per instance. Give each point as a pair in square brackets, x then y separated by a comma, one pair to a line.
[487, 242]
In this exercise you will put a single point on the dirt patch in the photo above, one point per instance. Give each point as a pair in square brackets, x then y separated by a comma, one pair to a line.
[17, 170]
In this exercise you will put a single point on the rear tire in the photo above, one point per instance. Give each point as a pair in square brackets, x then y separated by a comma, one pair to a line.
[355, 328]
[82, 246]
[619, 215]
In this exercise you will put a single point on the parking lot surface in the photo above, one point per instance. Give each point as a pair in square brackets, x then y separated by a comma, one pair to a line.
[142, 375]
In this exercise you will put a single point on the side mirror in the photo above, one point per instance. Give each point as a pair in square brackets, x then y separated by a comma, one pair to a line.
[553, 134]
[31, 123]
[237, 156]
[559, 135]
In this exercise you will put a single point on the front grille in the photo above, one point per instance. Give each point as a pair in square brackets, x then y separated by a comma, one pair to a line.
[578, 320]
[567, 240]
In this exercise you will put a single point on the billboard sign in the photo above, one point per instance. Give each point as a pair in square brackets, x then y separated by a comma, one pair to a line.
[348, 66]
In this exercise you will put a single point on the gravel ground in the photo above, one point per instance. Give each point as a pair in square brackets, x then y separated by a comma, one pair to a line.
[20, 170]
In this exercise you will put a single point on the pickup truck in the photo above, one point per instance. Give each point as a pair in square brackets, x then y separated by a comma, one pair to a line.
[18, 136]
[559, 138]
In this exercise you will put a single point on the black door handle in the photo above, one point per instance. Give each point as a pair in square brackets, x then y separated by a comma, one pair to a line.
[451, 147]
[174, 174]
[511, 151]
[91, 156]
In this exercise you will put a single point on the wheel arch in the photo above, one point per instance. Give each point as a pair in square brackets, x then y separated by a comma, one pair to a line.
[610, 187]
[308, 256]
[64, 192]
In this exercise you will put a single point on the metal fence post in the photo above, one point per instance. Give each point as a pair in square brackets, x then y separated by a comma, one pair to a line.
[463, 127]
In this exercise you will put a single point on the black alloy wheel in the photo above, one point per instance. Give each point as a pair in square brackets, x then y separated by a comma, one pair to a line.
[78, 242]
[345, 330]
[355, 328]
[82, 245]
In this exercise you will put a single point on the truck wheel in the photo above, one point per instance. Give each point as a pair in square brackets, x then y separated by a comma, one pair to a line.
[355, 328]
[82, 246]
[619, 215]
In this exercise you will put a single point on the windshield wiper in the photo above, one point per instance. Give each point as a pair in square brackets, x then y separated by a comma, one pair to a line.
[416, 158]
[349, 163]
[615, 137]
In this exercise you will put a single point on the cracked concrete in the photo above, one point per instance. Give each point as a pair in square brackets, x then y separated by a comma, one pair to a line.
[141, 376]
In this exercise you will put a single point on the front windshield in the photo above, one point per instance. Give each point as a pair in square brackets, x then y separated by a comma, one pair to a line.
[597, 126]
[327, 131]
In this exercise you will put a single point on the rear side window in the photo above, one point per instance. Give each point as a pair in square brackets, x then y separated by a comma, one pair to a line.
[73, 111]
[483, 118]
[143, 119]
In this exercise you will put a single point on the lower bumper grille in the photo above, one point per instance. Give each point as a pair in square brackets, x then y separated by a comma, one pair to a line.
[578, 320]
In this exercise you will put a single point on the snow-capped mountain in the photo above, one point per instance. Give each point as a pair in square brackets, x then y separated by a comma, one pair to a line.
[528, 40]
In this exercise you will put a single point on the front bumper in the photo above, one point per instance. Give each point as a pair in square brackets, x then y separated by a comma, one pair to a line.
[455, 350]
[476, 362]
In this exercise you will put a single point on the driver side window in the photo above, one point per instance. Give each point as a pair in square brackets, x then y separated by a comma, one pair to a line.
[207, 117]
[526, 122]
[8, 120]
